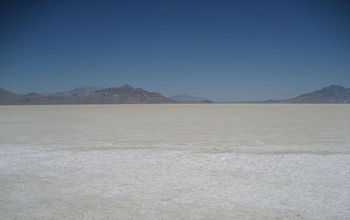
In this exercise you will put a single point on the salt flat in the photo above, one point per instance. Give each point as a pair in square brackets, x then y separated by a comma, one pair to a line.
[204, 161]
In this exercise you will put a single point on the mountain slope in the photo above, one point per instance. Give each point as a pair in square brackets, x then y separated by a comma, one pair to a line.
[9, 98]
[330, 94]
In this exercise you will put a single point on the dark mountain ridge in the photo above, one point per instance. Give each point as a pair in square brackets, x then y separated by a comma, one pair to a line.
[125, 94]
[329, 94]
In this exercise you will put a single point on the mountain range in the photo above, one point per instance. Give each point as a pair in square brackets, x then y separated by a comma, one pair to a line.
[330, 94]
[127, 94]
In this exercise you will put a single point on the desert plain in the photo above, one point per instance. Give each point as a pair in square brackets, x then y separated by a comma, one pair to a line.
[175, 161]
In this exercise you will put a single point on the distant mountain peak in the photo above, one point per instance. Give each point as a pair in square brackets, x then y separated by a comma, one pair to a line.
[7, 97]
[4, 91]
[334, 88]
[126, 86]
[329, 94]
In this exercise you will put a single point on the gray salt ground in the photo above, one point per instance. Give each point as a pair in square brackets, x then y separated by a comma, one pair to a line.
[175, 162]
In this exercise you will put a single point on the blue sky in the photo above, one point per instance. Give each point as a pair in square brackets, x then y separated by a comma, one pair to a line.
[222, 50]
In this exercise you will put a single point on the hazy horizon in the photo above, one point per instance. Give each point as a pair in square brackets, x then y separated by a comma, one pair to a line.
[189, 95]
[224, 51]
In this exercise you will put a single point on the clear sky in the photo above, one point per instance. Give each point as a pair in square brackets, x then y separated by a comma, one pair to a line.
[222, 50]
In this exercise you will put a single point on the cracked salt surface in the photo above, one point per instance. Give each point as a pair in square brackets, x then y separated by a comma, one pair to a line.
[175, 162]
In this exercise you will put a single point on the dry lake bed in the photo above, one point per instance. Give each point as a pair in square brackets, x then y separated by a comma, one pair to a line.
[175, 161]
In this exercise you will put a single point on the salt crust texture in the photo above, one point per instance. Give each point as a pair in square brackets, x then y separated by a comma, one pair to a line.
[175, 162]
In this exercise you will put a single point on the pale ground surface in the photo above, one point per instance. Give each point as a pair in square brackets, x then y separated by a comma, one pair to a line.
[210, 161]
